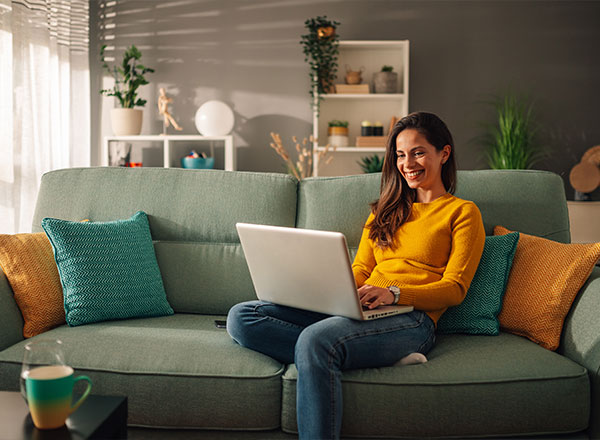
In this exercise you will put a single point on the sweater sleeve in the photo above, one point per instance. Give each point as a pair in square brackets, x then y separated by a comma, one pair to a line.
[364, 261]
[468, 239]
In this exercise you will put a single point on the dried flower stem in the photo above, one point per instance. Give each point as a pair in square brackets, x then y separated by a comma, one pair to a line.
[303, 167]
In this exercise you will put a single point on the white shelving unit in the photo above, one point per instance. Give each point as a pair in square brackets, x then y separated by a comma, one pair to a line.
[355, 108]
[167, 140]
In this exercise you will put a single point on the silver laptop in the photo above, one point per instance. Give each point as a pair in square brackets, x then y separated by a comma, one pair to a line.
[305, 269]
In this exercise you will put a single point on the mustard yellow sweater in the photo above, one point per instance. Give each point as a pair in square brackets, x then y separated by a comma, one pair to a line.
[437, 253]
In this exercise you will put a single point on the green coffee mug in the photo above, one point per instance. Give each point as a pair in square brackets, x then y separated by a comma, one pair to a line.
[50, 393]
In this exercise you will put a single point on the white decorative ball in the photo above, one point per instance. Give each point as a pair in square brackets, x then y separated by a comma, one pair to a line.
[214, 118]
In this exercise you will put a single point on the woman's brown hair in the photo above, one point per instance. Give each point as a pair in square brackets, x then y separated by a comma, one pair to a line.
[395, 201]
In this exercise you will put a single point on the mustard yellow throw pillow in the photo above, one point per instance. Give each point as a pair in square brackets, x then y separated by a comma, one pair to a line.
[29, 265]
[543, 283]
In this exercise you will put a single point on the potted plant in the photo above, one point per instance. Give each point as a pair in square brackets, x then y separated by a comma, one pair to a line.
[337, 132]
[129, 76]
[511, 143]
[371, 164]
[337, 127]
[385, 81]
[320, 47]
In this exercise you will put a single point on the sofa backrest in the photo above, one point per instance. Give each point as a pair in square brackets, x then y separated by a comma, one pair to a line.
[193, 213]
[192, 217]
[337, 204]
[528, 201]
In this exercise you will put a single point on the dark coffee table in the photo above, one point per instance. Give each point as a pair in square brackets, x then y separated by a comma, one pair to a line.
[99, 417]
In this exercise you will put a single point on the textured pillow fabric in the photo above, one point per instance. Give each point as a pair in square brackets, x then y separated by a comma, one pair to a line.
[31, 271]
[108, 270]
[478, 313]
[544, 281]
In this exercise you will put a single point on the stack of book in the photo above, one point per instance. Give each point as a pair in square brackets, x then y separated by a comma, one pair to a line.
[370, 141]
[352, 88]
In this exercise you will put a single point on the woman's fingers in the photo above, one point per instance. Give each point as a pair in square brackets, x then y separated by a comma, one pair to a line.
[366, 292]
[376, 301]
[372, 296]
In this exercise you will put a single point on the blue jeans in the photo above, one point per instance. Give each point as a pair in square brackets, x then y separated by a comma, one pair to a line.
[322, 346]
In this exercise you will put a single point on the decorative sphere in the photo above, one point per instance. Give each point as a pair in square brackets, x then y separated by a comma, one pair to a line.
[214, 118]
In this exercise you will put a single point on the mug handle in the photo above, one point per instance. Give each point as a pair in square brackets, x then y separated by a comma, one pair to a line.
[85, 394]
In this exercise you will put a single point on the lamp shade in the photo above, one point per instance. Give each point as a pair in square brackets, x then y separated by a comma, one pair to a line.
[214, 118]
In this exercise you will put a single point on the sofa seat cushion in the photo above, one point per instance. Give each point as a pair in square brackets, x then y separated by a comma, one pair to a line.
[472, 386]
[177, 371]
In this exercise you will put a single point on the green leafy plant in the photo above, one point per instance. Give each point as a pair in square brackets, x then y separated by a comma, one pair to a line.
[387, 68]
[129, 76]
[511, 142]
[337, 123]
[371, 164]
[320, 47]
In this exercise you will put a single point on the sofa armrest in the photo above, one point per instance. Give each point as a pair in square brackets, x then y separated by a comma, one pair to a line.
[581, 341]
[11, 320]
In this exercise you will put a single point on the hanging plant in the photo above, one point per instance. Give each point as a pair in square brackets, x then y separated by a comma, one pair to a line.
[320, 47]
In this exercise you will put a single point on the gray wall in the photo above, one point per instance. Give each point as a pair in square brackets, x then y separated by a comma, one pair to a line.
[247, 54]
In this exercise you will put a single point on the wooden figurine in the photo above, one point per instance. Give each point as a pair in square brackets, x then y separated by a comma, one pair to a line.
[163, 109]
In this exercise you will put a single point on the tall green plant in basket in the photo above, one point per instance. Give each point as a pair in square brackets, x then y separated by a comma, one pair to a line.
[511, 142]
[320, 47]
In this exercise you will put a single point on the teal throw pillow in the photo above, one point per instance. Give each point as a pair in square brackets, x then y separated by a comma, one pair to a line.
[108, 270]
[478, 313]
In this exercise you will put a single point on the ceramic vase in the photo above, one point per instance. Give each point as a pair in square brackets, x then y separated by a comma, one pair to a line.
[385, 82]
[337, 136]
[126, 121]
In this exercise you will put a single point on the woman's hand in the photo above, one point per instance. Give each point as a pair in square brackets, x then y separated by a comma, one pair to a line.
[373, 297]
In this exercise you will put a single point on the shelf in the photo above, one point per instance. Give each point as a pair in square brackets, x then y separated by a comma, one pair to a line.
[382, 96]
[374, 44]
[369, 57]
[229, 153]
[354, 149]
[168, 137]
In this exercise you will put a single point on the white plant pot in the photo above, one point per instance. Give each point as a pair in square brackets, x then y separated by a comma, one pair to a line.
[126, 121]
[337, 140]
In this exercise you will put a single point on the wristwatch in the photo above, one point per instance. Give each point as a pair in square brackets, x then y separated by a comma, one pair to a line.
[396, 292]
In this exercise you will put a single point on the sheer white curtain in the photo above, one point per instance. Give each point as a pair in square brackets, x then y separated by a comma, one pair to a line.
[44, 99]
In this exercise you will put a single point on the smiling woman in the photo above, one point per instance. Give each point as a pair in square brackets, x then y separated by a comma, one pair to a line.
[420, 166]
[419, 162]
[420, 247]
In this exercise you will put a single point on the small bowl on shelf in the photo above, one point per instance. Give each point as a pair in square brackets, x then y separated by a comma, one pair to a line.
[198, 163]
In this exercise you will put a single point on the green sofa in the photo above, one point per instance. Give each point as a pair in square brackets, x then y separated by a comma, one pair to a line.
[181, 371]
